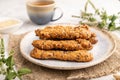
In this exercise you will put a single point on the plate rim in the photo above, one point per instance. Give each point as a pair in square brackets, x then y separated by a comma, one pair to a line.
[73, 68]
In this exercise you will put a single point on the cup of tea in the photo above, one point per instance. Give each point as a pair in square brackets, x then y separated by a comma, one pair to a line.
[42, 11]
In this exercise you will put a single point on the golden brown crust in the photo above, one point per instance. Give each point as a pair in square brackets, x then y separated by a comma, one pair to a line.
[79, 56]
[64, 43]
[79, 44]
[64, 32]
[93, 40]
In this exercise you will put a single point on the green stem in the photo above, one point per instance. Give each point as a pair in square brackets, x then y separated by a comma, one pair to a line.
[92, 5]
[2, 50]
[76, 16]
[86, 4]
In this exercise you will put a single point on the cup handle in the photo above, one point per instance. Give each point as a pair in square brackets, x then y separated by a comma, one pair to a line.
[59, 16]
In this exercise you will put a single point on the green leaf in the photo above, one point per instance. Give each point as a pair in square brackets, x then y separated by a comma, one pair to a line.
[10, 76]
[102, 24]
[11, 52]
[10, 62]
[91, 19]
[104, 16]
[23, 71]
[97, 12]
[2, 49]
[112, 28]
[112, 18]
[115, 28]
[118, 28]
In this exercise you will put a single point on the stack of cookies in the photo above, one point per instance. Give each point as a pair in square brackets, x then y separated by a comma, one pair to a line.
[64, 43]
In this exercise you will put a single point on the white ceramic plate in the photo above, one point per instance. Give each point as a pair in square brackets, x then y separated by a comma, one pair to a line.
[101, 51]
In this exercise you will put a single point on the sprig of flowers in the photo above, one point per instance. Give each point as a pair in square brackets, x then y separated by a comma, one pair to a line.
[106, 21]
[7, 65]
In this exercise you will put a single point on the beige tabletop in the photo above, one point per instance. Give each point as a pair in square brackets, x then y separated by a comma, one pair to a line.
[17, 9]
